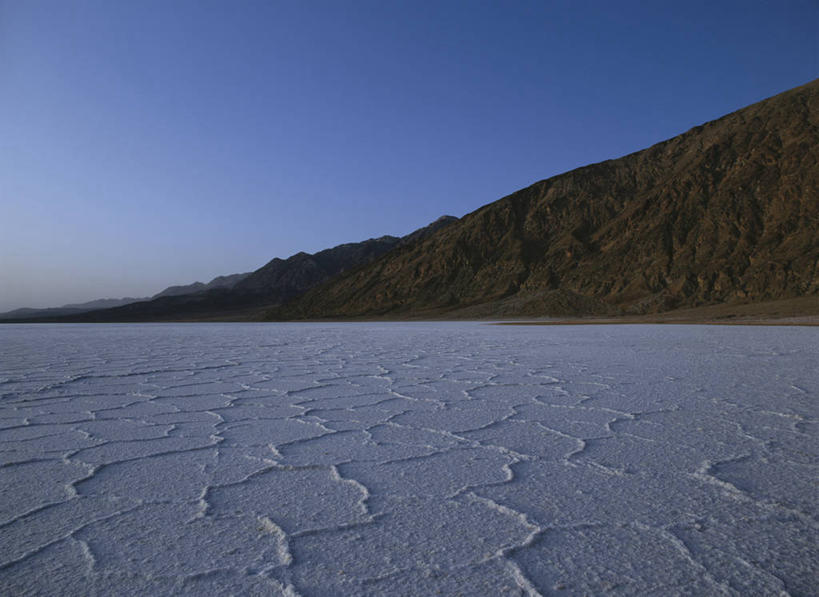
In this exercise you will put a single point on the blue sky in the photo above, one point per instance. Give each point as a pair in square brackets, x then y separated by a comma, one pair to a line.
[144, 144]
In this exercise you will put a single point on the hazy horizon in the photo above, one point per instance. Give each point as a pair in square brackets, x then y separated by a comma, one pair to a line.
[158, 144]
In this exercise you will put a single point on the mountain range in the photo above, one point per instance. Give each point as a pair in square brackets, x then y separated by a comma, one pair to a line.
[726, 214]
[108, 303]
[245, 296]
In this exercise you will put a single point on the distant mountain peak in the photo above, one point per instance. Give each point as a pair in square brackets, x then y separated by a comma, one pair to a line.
[228, 281]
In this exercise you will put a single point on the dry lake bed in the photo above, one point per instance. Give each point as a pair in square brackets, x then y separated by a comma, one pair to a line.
[408, 459]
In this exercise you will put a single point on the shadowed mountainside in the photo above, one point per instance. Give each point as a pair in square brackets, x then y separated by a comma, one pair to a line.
[108, 303]
[71, 309]
[228, 281]
[283, 279]
[244, 296]
[727, 212]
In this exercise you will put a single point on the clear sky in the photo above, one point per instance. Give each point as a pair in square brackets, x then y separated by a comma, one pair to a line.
[144, 144]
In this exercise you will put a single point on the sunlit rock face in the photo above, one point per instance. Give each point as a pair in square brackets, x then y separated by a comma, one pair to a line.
[408, 459]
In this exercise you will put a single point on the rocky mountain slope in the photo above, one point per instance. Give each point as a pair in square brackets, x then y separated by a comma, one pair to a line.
[727, 212]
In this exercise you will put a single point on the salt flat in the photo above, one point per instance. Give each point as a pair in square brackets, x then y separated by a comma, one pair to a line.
[408, 459]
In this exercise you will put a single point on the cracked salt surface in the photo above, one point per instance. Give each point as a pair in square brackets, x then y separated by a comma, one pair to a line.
[408, 459]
